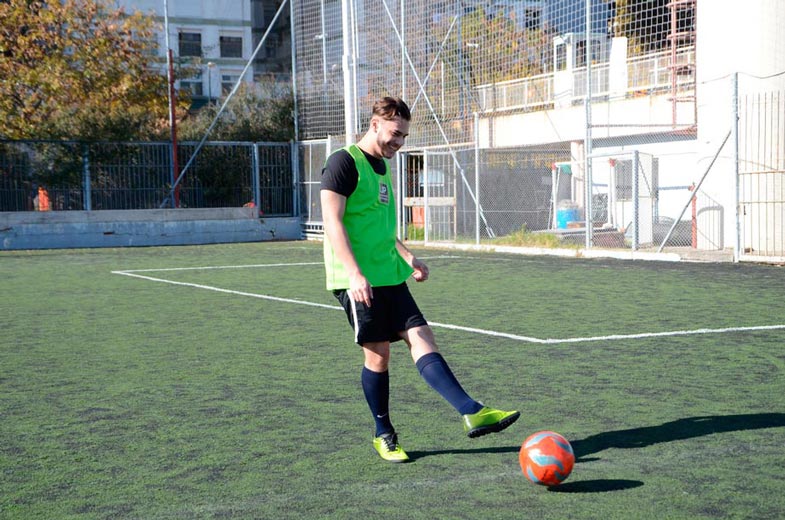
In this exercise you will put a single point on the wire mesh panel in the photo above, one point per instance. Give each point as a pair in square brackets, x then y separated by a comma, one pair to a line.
[449, 59]
[118, 176]
[524, 69]
[129, 175]
[762, 174]
[313, 155]
[318, 51]
[516, 188]
[633, 206]
[276, 183]
[438, 194]
[220, 176]
[42, 175]
[17, 187]
[438, 184]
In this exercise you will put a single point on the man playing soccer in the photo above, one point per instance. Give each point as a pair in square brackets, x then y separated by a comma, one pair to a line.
[367, 268]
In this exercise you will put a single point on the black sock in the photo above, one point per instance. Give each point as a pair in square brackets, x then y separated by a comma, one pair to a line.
[433, 368]
[376, 386]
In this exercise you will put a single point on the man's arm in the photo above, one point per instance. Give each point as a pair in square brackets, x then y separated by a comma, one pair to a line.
[420, 269]
[333, 208]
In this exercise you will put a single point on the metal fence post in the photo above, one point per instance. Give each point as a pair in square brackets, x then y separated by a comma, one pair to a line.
[477, 178]
[87, 202]
[635, 200]
[735, 134]
[295, 158]
[257, 194]
[401, 208]
[425, 181]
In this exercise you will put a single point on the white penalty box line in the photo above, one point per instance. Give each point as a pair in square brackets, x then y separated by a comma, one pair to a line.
[136, 273]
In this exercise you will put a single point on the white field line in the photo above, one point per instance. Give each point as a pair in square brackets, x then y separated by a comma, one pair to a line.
[213, 267]
[549, 341]
[198, 268]
[227, 291]
[664, 334]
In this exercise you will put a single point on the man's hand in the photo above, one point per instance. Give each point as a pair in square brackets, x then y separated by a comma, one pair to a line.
[420, 270]
[360, 290]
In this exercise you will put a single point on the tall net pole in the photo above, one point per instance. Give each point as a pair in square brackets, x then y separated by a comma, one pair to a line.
[588, 144]
[172, 108]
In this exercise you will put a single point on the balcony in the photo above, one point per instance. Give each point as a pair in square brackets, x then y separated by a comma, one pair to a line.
[645, 75]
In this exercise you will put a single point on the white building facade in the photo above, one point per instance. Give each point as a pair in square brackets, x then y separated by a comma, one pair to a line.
[214, 36]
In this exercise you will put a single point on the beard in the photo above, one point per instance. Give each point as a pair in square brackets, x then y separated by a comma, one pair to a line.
[387, 150]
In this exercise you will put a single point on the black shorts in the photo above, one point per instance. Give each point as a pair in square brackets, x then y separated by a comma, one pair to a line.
[393, 310]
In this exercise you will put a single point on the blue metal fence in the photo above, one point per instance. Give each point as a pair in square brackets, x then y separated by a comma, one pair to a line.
[138, 175]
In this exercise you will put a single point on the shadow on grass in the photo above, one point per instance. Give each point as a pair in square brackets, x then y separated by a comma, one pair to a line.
[595, 486]
[415, 455]
[673, 431]
[680, 429]
[640, 437]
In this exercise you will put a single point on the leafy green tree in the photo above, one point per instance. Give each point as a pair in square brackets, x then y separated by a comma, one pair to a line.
[78, 69]
[647, 24]
[259, 112]
[493, 48]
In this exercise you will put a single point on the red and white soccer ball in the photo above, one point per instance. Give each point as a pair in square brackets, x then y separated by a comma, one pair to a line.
[546, 458]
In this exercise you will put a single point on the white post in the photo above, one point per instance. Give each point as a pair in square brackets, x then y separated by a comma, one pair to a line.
[735, 137]
[323, 37]
[424, 179]
[636, 218]
[294, 70]
[348, 102]
[477, 178]
[587, 174]
[403, 51]
[401, 208]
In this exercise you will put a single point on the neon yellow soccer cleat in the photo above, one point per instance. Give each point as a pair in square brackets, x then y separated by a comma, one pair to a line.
[389, 449]
[488, 421]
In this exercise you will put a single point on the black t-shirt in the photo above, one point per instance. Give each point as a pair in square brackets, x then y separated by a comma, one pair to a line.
[340, 172]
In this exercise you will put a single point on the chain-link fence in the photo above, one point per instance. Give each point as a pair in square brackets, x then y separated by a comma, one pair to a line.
[453, 58]
[504, 137]
[508, 66]
[63, 176]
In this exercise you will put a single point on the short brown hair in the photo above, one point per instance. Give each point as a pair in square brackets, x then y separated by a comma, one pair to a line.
[390, 108]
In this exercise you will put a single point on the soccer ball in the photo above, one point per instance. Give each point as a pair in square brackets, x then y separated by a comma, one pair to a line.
[546, 458]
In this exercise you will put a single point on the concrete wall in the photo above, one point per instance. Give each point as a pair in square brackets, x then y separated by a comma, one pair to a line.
[72, 229]
[744, 38]
[644, 115]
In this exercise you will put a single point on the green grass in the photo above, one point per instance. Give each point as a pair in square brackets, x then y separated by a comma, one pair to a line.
[525, 238]
[128, 398]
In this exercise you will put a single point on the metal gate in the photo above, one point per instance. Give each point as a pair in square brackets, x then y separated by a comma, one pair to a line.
[762, 176]
[429, 208]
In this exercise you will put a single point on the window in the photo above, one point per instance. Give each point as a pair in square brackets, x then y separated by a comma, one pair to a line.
[561, 57]
[194, 85]
[270, 49]
[190, 44]
[231, 46]
[228, 82]
[533, 17]
[580, 53]
[624, 180]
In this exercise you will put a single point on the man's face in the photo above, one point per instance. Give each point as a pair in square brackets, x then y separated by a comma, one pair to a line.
[390, 135]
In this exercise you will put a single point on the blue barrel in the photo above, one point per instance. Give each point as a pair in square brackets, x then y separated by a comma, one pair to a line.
[565, 215]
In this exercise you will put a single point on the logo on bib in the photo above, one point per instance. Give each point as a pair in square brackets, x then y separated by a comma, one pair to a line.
[384, 195]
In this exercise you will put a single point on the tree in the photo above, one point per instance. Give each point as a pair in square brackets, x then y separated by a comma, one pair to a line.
[647, 24]
[498, 49]
[78, 69]
[261, 112]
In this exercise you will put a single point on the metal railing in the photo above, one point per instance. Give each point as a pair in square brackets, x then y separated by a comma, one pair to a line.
[94, 176]
[645, 75]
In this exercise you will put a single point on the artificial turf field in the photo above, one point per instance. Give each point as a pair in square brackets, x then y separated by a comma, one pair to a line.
[221, 382]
